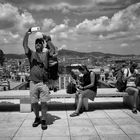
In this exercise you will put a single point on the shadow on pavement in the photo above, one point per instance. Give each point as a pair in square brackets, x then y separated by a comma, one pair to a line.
[51, 118]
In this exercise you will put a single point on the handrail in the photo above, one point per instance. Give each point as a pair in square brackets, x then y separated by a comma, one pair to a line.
[21, 86]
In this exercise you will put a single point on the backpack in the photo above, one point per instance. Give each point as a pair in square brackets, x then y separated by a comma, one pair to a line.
[97, 77]
[137, 81]
[121, 84]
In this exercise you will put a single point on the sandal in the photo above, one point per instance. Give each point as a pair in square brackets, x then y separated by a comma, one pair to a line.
[134, 110]
[74, 114]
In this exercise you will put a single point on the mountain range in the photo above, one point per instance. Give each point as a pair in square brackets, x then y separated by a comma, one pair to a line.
[71, 54]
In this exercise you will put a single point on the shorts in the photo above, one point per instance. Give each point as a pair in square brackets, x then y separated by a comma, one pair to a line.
[39, 91]
[131, 90]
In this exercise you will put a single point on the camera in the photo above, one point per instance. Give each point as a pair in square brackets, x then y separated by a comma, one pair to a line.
[35, 29]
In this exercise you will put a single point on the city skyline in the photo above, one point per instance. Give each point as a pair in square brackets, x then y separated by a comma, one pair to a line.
[108, 26]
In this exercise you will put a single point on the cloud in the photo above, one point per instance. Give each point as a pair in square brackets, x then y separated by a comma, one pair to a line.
[138, 36]
[48, 24]
[106, 1]
[63, 6]
[13, 23]
[124, 45]
[63, 35]
[10, 18]
[64, 46]
[122, 21]
[59, 28]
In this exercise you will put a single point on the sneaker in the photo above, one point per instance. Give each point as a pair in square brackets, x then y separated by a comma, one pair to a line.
[50, 88]
[36, 122]
[55, 89]
[43, 125]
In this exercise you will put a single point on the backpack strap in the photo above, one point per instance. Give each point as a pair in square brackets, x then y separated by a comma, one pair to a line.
[126, 74]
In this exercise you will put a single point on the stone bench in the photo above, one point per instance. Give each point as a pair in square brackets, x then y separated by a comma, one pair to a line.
[22, 95]
[25, 105]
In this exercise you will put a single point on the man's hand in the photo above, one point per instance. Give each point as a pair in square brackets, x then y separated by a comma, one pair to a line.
[29, 31]
[45, 37]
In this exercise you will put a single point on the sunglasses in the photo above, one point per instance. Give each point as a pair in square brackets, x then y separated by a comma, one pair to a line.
[39, 41]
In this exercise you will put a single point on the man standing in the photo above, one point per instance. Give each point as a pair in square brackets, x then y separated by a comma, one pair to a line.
[38, 89]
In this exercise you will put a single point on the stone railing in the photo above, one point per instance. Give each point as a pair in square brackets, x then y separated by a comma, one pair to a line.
[63, 81]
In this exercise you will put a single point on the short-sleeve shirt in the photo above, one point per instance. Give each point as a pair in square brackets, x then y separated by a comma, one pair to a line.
[36, 67]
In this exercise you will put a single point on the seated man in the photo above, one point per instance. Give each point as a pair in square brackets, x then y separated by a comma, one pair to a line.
[130, 76]
[87, 90]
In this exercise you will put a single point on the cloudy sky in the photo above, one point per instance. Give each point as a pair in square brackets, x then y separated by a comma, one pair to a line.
[109, 26]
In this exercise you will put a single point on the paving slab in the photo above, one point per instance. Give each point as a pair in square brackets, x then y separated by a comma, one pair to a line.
[79, 122]
[109, 129]
[114, 137]
[83, 131]
[99, 123]
[85, 137]
[27, 138]
[29, 132]
[135, 137]
[61, 131]
[131, 129]
[56, 138]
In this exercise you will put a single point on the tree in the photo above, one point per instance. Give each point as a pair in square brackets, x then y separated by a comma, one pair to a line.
[2, 57]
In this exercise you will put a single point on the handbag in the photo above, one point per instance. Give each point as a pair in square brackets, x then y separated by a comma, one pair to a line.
[71, 88]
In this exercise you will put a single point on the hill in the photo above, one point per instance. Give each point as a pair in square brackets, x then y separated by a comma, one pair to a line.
[87, 54]
[71, 54]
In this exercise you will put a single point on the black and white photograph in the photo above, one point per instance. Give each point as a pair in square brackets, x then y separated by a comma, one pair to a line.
[70, 70]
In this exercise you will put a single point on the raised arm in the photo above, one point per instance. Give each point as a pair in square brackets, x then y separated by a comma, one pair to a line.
[25, 42]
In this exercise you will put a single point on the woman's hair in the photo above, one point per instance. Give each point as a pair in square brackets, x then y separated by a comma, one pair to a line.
[82, 68]
[134, 65]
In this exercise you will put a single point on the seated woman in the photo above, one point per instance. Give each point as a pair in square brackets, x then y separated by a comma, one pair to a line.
[87, 90]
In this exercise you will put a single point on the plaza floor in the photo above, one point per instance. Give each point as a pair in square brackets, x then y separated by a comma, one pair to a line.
[107, 119]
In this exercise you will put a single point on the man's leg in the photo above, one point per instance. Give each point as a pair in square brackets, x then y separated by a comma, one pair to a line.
[76, 99]
[44, 97]
[135, 97]
[43, 110]
[34, 102]
[35, 107]
[133, 92]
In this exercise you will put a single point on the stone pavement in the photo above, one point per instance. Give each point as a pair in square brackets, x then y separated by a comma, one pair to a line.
[104, 121]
